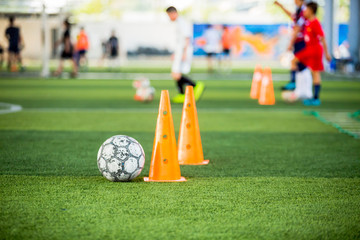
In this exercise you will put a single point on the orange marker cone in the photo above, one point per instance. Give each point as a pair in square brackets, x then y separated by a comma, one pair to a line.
[256, 83]
[164, 165]
[267, 96]
[190, 150]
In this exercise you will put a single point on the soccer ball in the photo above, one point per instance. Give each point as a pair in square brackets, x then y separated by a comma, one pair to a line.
[120, 158]
[289, 96]
[144, 91]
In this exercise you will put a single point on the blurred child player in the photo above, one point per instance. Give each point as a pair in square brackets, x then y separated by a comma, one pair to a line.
[1, 56]
[226, 41]
[312, 54]
[13, 35]
[67, 51]
[297, 40]
[213, 44]
[182, 57]
[113, 45]
[82, 45]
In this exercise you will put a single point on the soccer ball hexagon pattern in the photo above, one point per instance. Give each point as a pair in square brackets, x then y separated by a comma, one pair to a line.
[120, 158]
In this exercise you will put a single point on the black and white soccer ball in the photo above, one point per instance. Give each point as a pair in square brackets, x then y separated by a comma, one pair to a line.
[120, 158]
[289, 96]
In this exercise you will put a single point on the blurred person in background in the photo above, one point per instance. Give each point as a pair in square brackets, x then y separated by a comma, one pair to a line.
[113, 45]
[226, 42]
[104, 51]
[312, 54]
[113, 48]
[297, 38]
[1, 56]
[12, 34]
[213, 45]
[182, 57]
[82, 46]
[67, 51]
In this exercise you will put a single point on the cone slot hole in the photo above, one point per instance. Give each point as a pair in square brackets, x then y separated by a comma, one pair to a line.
[188, 146]
[165, 161]
[188, 125]
[165, 136]
[164, 112]
[189, 105]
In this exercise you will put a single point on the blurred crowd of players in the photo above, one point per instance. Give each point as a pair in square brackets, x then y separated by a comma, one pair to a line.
[218, 44]
[74, 52]
[307, 44]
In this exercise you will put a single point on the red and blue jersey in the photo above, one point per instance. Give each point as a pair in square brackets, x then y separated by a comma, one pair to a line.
[299, 20]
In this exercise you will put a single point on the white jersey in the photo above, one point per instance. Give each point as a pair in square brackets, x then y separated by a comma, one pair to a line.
[213, 40]
[183, 33]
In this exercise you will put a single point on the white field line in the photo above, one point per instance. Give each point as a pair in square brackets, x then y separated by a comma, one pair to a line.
[9, 108]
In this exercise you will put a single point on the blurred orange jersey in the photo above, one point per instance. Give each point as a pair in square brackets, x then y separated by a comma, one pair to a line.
[82, 41]
[226, 39]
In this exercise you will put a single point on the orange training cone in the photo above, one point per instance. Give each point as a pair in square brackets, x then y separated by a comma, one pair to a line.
[267, 96]
[164, 165]
[256, 83]
[190, 150]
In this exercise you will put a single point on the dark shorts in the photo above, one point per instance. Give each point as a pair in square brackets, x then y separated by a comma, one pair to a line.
[14, 49]
[226, 51]
[82, 52]
[210, 54]
[298, 46]
[113, 53]
[66, 55]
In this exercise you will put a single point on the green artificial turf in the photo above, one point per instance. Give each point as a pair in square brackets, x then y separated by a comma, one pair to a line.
[205, 208]
[274, 172]
[102, 94]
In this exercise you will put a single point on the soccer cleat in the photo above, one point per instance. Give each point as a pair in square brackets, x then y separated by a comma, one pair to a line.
[312, 102]
[180, 98]
[290, 86]
[316, 102]
[307, 102]
[199, 90]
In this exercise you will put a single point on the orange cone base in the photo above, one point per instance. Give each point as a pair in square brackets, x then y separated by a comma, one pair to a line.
[137, 98]
[182, 179]
[205, 162]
